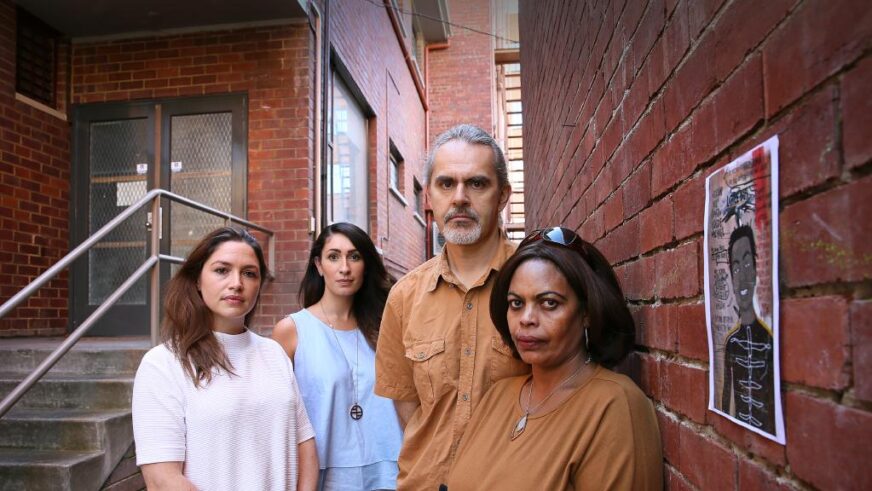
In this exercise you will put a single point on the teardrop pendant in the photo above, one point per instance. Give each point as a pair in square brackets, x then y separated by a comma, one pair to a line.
[520, 426]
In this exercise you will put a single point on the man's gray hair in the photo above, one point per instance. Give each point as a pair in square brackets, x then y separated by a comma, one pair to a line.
[474, 136]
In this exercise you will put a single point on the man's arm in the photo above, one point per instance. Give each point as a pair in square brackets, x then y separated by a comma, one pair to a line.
[405, 410]
[393, 374]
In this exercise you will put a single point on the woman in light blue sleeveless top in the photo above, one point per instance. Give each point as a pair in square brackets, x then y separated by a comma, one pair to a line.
[332, 344]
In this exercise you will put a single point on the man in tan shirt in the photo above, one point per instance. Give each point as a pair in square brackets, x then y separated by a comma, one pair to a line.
[438, 351]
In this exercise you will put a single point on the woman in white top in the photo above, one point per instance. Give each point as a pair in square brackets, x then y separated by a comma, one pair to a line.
[332, 343]
[217, 406]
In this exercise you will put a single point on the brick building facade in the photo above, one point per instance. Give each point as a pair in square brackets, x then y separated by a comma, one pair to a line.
[34, 198]
[284, 70]
[628, 107]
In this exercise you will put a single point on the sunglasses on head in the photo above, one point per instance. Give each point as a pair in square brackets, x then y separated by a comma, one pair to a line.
[556, 235]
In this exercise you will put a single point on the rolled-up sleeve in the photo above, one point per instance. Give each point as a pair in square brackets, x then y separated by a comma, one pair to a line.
[393, 374]
[158, 412]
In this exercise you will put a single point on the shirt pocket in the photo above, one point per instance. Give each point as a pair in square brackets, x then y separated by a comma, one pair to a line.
[429, 370]
[503, 363]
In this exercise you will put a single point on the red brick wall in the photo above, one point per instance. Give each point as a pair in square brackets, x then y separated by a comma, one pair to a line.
[34, 199]
[365, 42]
[270, 64]
[461, 77]
[627, 108]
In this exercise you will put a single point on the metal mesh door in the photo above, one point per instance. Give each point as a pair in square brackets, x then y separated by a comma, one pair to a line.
[200, 169]
[118, 178]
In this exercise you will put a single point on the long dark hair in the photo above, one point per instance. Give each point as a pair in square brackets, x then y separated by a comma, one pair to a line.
[187, 325]
[610, 327]
[369, 301]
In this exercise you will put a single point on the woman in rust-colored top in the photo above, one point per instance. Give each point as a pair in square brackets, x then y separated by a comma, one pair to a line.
[572, 423]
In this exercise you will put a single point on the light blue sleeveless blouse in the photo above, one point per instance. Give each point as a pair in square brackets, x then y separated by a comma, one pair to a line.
[323, 375]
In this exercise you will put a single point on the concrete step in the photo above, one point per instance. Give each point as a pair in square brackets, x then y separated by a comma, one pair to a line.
[25, 469]
[63, 429]
[99, 356]
[73, 427]
[70, 391]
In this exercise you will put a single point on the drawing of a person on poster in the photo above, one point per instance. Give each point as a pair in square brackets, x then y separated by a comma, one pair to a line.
[748, 351]
[742, 291]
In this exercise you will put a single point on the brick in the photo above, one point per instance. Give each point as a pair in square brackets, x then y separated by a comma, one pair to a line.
[637, 190]
[700, 14]
[672, 162]
[649, 375]
[613, 211]
[808, 148]
[675, 481]
[692, 331]
[689, 207]
[734, 109]
[845, 433]
[676, 381]
[656, 224]
[753, 477]
[816, 351]
[861, 345]
[700, 456]
[669, 436]
[637, 278]
[677, 272]
[753, 443]
[622, 243]
[818, 243]
[796, 60]
[654, 327]
[857, 114]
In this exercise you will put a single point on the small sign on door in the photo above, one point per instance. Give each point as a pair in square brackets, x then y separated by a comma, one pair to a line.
[176, 166]
[141, 169]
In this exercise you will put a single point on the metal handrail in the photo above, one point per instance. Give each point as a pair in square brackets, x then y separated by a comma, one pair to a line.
[150, 263]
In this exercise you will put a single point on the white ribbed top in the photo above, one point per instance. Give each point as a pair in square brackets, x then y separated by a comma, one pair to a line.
[239, 432]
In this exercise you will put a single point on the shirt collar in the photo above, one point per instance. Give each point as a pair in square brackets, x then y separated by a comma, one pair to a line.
[443, 269]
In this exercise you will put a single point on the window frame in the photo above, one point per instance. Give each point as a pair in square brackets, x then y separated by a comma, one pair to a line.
[339, 71]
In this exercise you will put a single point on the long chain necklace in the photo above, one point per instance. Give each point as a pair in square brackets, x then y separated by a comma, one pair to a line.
[521, 425]
[356, 411]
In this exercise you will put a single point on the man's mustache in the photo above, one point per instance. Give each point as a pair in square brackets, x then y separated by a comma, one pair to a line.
[464, 211]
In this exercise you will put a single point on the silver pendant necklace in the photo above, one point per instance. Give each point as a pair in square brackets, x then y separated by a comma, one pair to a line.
[521, 425]
[355, 411]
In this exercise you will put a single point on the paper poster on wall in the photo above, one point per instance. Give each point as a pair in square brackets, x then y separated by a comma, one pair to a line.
[741, 291]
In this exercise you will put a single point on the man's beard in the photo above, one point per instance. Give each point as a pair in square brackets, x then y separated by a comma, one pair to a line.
[462, 235]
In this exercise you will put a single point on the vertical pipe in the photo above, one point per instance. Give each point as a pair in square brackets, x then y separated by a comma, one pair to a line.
[154, 283]
[156, 229]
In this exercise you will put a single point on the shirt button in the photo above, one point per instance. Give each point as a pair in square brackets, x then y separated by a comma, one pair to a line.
[467, 351]
[469, 306]
[420, 355]
[465, 397]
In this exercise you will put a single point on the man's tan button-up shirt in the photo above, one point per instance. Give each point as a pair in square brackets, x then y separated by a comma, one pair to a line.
[438, 346]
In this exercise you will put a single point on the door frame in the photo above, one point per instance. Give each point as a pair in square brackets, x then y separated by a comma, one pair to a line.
[160, 113]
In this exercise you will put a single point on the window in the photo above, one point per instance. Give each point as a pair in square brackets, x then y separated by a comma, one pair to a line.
[395, 173]
[396, 6]
[419, 198]
[347, 177]
[35, 58]
[417, 48]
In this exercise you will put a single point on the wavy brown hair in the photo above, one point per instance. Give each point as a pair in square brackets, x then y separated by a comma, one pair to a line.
[187, 324]
[369, 301]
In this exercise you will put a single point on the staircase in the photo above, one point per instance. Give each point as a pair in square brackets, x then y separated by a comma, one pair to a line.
[74, 426]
